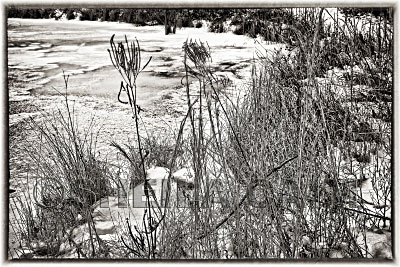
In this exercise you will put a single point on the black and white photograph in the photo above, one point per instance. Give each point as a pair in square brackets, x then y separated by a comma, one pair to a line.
[221, 133]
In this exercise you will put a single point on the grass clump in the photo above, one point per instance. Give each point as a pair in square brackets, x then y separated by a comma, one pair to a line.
[67, 177]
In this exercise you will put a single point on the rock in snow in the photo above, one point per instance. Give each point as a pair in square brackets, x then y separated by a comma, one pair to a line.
[157, 173]
[185, 175]
[105, 227]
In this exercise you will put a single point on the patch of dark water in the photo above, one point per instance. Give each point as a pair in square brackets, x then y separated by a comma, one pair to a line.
[233, 67]
[224, 47]
[166, 59]
[153, 49]
[33, 45]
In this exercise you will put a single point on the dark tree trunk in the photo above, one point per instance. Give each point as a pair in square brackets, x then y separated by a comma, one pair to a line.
[166, 25]
[170, 22]
[174, 22]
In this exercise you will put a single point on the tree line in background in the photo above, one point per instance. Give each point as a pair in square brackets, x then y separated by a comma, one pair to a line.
[247, 21]
[142, 17]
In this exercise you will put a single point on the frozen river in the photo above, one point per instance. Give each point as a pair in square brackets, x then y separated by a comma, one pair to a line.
[39, 50]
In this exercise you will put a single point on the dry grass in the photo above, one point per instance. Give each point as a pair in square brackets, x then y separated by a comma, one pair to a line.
[277, 168]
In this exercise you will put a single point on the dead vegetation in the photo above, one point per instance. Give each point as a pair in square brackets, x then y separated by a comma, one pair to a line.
[278, 166]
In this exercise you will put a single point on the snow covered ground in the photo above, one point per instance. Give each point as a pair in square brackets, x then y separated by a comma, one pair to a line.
[39, 50]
